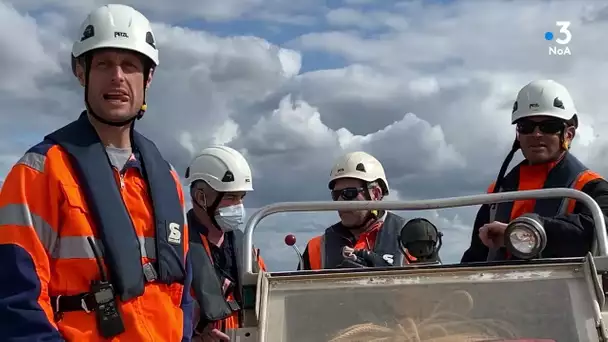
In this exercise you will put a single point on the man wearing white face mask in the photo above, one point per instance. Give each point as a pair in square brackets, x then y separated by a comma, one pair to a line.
[219, 179]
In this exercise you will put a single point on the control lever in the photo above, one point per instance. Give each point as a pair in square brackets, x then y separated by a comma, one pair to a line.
[290, 240]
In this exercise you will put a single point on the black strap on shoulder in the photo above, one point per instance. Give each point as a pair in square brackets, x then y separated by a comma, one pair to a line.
[509, 183]
[168, 212]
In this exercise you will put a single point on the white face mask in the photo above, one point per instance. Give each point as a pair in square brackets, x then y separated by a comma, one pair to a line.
[231, 217]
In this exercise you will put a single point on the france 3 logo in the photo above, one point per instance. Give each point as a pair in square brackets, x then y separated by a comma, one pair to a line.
[562, 38]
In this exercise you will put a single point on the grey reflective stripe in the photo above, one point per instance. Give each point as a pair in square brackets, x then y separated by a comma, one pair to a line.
[566, 201]
[34, 160]
[173, 169]
[322, 251]
[64, 247]
[493, 209]
[20, 215]
[78, 247]
[147, 245]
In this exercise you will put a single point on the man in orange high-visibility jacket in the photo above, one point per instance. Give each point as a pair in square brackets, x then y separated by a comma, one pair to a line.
[358, 176]
[97, 185]
[219, 179]
[546, 122]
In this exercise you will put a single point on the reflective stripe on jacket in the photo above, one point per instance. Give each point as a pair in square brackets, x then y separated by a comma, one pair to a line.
[325, 251]
[218, 305]
[46, 215]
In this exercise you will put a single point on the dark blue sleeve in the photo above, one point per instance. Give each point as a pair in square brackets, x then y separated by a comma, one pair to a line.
[22, 318]
[187, 302]
[572, 235]
[477, 251]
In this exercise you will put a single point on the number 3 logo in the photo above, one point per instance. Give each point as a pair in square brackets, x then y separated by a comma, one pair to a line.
[563, 28]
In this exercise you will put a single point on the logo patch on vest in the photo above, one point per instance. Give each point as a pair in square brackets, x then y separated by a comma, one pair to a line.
[175, 234]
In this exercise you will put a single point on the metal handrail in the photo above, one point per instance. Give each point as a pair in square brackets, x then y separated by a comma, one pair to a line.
[439, 203]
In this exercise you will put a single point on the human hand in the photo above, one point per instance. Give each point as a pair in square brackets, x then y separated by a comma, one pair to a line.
[347, 253]
[211, 334]
[350, 259]
[492, 235]
[371, 259]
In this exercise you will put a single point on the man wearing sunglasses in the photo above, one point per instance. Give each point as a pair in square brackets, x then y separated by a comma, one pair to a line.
[546, 122]
[366, 237]
[219, 179]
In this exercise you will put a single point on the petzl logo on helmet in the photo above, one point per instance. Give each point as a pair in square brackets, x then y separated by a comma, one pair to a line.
[562, 40]
[121, 34]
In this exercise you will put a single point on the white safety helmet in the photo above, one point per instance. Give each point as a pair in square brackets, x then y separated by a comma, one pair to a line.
[359, 165]
[223, 168]
[544, 97]
[116, 26]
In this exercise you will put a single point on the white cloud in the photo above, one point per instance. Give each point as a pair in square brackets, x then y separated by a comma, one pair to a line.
[426, 88]
[20, 70]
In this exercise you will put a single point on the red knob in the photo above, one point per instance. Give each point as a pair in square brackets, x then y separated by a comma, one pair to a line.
[290, 240]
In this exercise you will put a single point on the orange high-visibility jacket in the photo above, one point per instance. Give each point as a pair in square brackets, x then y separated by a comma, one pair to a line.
[45, 219]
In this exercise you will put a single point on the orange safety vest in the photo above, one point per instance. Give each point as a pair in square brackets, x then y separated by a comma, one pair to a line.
[46, 216]
[566, 172]
[325, 251]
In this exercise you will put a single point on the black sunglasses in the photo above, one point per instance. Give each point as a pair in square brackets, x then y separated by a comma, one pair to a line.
[347, 194]
[547, 126]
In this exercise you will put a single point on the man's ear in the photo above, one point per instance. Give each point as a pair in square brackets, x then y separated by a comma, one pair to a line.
[377, 193]
[80, 71]
[570, 133]
[150, 74]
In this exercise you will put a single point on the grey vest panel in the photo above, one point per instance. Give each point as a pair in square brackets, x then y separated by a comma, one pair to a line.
[387, 242]
[205, 282]
[564, 174]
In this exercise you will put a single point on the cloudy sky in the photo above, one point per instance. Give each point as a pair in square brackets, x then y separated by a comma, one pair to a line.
[426, 87]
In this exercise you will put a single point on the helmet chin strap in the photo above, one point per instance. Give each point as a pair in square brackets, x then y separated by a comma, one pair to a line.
[210, 209]
[140, 112]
